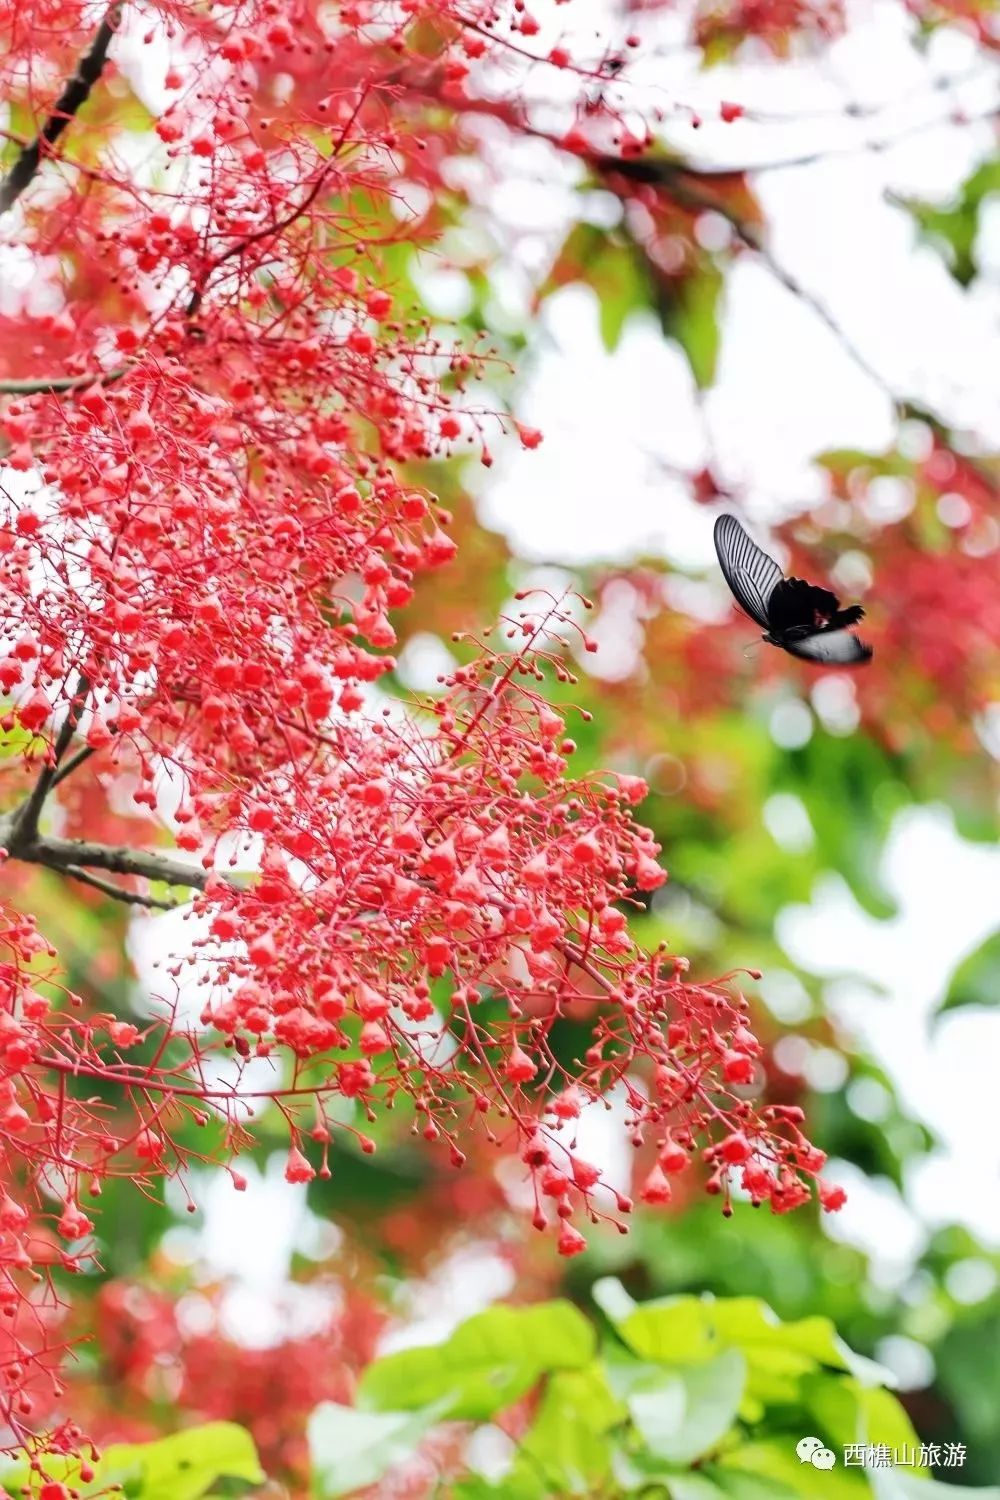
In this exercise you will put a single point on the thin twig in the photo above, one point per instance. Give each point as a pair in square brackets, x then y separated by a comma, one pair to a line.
[197, 296]
[145, 1081]
[108, 888]
[676, 177]
[429, 84]
[52, 385]
[679, 183]
[269, 230]
[69, 766]
[74, 95]
[837, 149]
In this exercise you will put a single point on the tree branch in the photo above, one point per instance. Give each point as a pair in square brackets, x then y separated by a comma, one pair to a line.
[680, 183]
[323, 176]
[25, 817]
[45, 386]
[69, 766]
[68, 856]
[678, 178]
[20, 838]
[108, 888]
[74, 95]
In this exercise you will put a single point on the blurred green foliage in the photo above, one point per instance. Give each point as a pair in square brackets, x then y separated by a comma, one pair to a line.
[214, 1460]
[691, 1398]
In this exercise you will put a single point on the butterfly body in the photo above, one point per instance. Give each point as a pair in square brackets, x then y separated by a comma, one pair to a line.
[799, 617]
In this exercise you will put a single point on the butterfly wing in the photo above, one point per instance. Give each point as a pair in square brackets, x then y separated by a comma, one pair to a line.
[831, 648]
[750, 573]
[795, 604]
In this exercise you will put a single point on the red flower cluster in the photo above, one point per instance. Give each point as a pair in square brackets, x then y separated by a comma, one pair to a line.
[150, 1353]
[777, 23]
[205, 526]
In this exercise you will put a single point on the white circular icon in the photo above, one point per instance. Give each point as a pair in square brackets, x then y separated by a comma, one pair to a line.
[811, 1450]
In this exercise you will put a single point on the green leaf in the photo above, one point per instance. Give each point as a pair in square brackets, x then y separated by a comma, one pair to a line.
[17, 1477]
[976, 981]
[17, 742]
[833, 1410]
[737, 1486]
[845, 1412]
[691, 316]
[182, 1467]
[691, 1411]
[188, 1464]
[612, 266]
[673, 1330]
[614, 1301]
[780, 1354]
[520, 1485]
[567, 1442]
[885, 1420]
[897, 1484]
[751, 1325]
[489, 1361]
[693, 1487]
[775, 1459]
[621, 292]
[626, 1375]
[953, 231]
[690, 1330]
[352, 1449]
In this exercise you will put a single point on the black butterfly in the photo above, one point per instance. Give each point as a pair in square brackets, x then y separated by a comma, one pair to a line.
[797, 616]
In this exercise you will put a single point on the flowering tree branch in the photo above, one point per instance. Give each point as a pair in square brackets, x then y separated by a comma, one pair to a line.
[70, 856]
[53, 385]
[222, 541]
[73, 96]
[27, 815]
